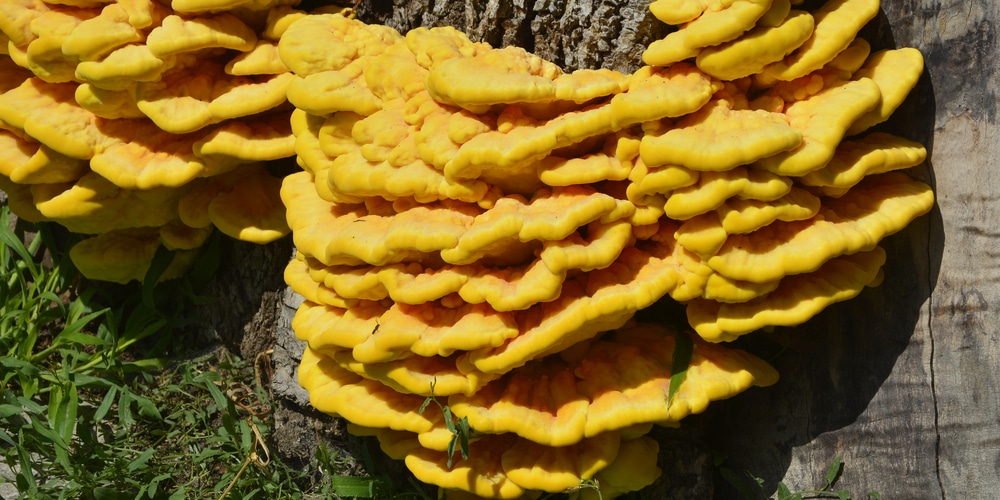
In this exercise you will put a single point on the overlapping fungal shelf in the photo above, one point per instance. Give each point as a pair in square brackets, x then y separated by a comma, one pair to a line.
[144, 124]
[476, 225]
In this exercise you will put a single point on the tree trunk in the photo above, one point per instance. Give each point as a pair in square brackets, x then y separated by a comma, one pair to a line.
[901, 381]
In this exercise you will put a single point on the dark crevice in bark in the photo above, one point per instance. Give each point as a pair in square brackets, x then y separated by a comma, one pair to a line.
[931, 367]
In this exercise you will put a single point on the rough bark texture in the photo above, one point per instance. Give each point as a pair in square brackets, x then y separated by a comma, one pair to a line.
[901, 381]
[574, 34]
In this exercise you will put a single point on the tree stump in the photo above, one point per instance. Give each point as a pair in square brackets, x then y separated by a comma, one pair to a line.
[901, 381]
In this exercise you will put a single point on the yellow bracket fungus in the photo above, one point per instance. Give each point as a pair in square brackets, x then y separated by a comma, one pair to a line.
[837, 23]
[895, 72]
[875, 208]
[751, 52]
[177, 34]
[717, 138]
[125, 255]
[796, 299]
[873, 154]
[714, 188]
[719, 22]
[94, 38]
[823, 120]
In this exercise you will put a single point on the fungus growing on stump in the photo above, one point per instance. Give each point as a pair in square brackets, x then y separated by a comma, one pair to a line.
[482, 227]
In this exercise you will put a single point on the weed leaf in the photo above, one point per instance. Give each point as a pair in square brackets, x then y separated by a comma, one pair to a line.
[106, 403]
[683, 347]
[357, 487]
[8, 410]
[834, 471]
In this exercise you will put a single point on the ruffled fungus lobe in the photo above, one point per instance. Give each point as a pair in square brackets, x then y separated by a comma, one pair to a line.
[837, 22]
[717, 138]
[123, 256]
[717, 23]
[857, 221]
[105, 146]
[798, 298]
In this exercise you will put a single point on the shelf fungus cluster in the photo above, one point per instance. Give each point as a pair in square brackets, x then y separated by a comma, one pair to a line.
[477, 228]
[144, 123]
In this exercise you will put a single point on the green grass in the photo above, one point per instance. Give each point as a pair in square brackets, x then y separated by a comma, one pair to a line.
[90, 407]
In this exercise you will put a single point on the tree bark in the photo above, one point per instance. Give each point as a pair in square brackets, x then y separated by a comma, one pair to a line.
[901, 381]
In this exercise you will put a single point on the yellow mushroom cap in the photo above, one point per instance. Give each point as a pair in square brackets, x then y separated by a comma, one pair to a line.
[797, 298]
[349, 234]
[200, 6]
[834, 73]
[189, 98]
[263, 59]
[343, 40]
[138, 155]
[717, 137]
[251, 210]
[94, 205]
[617, 382]
[744, 216]
[503, 288]
[327, 92]
[713, 27]
[279, 19]
[177, 236]
[895, 72]
[601, 300]
[757, 48]
[879, 206]
[368, 403]
[48, 113]
[124, 256]
[178, 34]
[261, 138]
[655, 93]
[20, 200]
[108, 104]
[44, 55]
[632, 470]
[823, 120]
[873, 154]
[26, 162]
[482, 474]
[713, 188]
[837, 23]
[420, 375]
[351, 176]
[93, 38]
[432, 330]
[510, 75]
[122, 67]
[551, 215]
[545, 468]
[16, 17]
[331, 327]
[777, 13]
